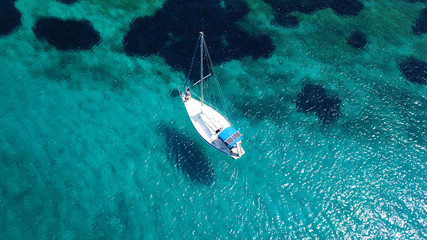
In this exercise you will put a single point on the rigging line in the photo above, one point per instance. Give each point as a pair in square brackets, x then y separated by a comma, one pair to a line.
[211, 87]
[213, 97]
[210, 64]
[191, 65]
[218, 85]
[206, 55]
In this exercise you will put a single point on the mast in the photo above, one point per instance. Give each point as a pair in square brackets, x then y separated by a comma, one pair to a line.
[201, 66]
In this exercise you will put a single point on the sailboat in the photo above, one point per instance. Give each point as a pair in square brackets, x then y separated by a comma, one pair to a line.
[211, 125]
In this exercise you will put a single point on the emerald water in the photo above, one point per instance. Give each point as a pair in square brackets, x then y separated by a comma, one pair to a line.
[95, 144]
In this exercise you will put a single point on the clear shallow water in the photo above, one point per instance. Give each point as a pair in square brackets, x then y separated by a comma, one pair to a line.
[91, 142]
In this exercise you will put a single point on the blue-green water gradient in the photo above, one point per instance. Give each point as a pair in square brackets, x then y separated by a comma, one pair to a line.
[86, 137]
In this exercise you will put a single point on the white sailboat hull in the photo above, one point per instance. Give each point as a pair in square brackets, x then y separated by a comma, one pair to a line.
[209, 123]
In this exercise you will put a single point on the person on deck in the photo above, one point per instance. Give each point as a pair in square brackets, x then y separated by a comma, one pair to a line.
[188, 94]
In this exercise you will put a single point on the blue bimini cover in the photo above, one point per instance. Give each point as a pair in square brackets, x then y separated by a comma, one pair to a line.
[230, 136]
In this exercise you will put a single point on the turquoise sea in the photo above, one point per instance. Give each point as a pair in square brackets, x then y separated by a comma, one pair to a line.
[95, 144]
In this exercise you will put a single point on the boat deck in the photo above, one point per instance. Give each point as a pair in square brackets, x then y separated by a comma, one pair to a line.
[209, 123]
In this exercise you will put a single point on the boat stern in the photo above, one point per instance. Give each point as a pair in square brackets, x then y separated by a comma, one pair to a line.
[237, 151]
[233, 140]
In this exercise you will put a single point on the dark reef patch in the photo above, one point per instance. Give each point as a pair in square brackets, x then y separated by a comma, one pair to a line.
[341, 7]
[67, 1]
[67, 34]
[310, 97]
[306, 6]
[187, 156]
[286, 20]
[313, 98]
[173, 31]
[414, 70]
[328, 110]
[174, 93]
[357, 40]
[421, 23]
[10, 17]
[346, 7]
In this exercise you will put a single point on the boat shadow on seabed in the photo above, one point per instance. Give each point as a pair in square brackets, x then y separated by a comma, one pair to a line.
[187, 156]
